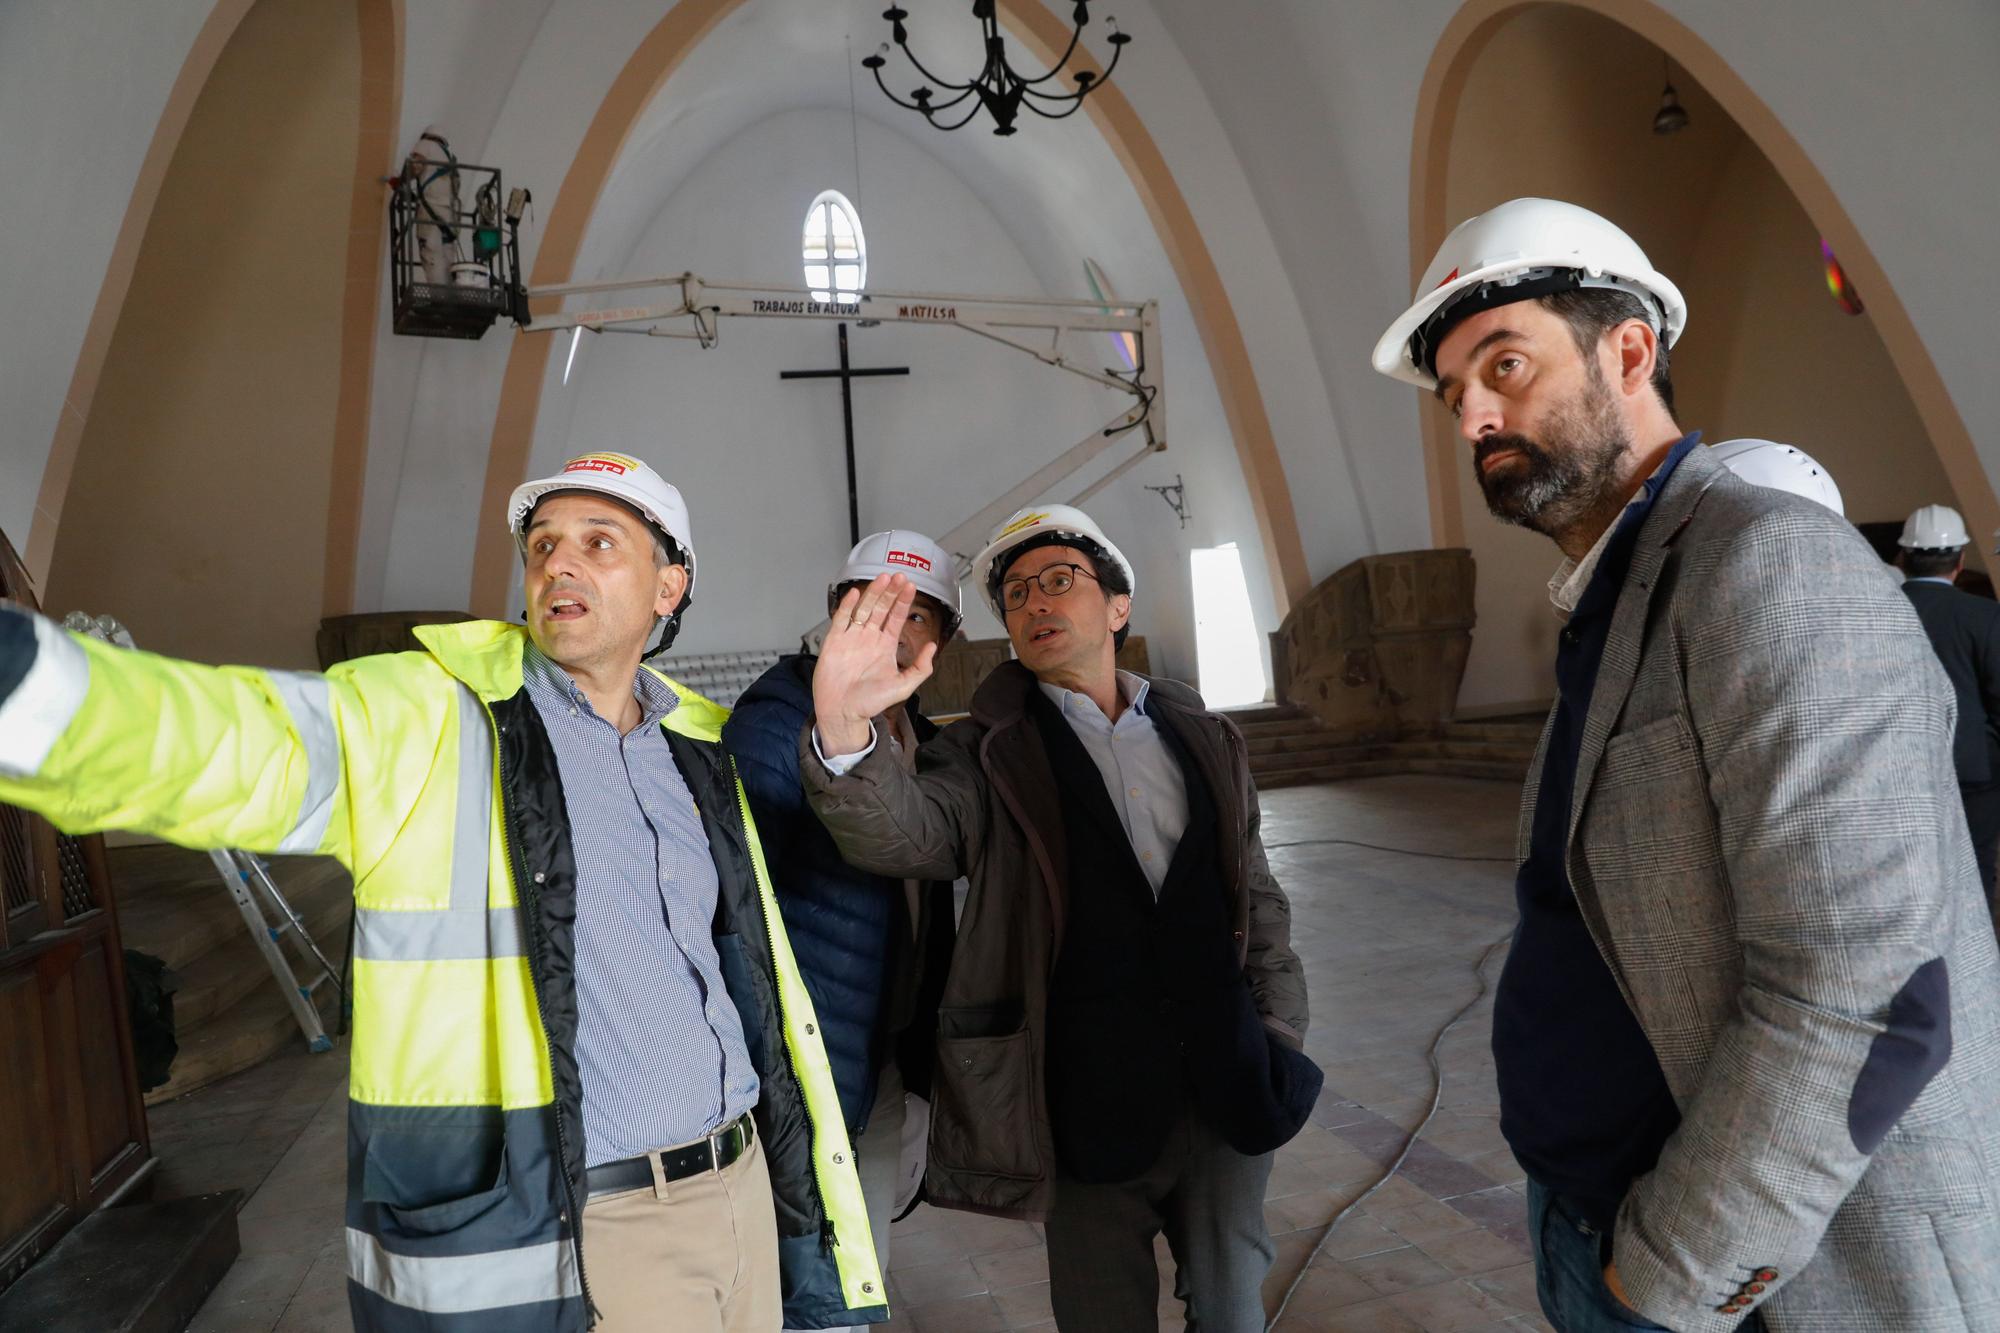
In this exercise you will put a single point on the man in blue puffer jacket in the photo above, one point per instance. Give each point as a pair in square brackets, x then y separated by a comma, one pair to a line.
[872, 950]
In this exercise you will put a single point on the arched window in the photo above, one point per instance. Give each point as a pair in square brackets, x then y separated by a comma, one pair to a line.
[836, 252]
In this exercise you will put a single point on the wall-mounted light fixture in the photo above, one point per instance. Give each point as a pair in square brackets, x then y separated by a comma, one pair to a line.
[1175, 496]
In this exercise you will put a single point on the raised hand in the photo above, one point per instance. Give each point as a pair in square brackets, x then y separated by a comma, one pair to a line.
[857, 678]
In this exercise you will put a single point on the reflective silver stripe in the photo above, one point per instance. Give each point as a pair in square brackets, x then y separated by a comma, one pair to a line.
[460, 1283]
[34, 717]
[310, 705]
[474, 820]
[401, 937]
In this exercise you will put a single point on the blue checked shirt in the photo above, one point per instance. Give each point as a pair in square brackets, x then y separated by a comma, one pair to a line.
[658, 1040]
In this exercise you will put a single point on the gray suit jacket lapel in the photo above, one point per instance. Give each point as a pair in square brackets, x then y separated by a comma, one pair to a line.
[1620, 665]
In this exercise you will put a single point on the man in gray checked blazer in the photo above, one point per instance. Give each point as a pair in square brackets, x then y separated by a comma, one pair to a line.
[1748, 1037]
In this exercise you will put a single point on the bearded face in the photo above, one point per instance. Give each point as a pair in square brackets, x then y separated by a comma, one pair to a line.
[1552, 483]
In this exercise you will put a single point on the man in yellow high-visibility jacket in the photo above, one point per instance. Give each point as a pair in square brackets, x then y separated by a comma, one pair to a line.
[579, 1032]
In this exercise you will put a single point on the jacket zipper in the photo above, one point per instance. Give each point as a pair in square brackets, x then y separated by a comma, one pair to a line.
[827, 1238]
[518, 869]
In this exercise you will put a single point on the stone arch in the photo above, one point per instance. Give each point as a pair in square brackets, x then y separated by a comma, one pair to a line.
[381, 31]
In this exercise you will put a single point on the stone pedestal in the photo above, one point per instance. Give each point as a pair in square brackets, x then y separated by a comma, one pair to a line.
[1378, 649]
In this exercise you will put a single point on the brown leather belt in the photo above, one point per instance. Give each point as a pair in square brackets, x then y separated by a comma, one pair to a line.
[713, 1153]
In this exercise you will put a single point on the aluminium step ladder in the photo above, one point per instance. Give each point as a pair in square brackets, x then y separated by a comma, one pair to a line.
[249, 879]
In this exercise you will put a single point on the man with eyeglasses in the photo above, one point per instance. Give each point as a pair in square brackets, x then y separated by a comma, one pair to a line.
[1120, 1035]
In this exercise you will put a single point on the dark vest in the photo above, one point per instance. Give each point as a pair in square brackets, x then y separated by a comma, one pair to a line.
[1149, 1009]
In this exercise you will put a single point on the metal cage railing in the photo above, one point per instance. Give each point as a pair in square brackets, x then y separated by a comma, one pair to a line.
[454, 248]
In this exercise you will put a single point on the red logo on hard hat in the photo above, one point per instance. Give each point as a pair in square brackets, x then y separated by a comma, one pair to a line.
[613, 463]
[1449, 277]
[910, 558]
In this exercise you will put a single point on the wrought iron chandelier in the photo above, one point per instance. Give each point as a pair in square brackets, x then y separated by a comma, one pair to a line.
[998, 88]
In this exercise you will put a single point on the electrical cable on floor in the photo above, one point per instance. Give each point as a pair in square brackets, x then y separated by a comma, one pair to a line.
[1377, 847]
[1437, 1097]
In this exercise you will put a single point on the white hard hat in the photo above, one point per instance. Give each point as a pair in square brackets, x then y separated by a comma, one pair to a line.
[1934, 528]
[622, 477]
[1042, 521]
[910, 554]
[1781, 467]
[1522, 249]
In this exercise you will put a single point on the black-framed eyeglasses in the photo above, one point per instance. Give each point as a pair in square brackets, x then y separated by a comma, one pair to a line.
[1055, 580]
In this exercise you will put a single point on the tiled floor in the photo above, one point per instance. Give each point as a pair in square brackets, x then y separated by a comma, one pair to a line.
[279, 1133]
[1389, 942]
[230, 1135]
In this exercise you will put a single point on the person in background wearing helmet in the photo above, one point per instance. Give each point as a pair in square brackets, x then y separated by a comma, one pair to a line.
[1120, 1035]
[1965, 633]
[1782, 467]
[585, 1089]
[1750, 918]
[872, 949]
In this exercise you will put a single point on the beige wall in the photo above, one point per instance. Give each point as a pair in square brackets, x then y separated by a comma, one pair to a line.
[1561, 104]
[1781, 360]
[198, 509]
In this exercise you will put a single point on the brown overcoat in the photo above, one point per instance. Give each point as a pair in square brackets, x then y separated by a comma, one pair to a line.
[982, 805]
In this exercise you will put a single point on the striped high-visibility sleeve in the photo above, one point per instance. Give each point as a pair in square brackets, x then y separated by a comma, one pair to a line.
[97, 737]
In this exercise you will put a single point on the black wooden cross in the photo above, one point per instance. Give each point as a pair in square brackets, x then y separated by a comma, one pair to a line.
[847, 375]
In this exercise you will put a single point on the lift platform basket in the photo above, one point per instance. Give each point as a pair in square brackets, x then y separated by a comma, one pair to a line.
[454, 249]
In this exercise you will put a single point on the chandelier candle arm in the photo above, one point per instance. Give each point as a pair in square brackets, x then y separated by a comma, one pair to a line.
[901, 36]
[1076, 35]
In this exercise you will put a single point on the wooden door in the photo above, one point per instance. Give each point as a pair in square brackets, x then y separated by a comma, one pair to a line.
[72, 1128]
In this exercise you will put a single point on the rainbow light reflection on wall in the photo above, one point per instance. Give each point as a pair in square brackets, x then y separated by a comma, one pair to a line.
[1100, 288]
[1837, 281]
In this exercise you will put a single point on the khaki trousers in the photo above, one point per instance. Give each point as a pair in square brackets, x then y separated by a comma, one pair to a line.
[698, 1255]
